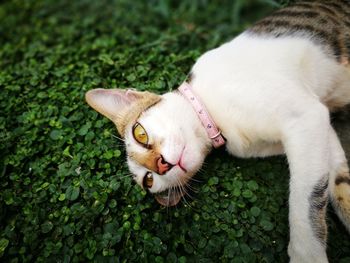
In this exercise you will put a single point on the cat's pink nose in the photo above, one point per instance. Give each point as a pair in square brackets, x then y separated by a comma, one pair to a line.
[163, 166]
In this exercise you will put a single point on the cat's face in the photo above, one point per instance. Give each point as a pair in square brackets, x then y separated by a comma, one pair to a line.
[165, 142]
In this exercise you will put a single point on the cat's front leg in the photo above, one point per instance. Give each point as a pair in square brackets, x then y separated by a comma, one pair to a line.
[306, 142]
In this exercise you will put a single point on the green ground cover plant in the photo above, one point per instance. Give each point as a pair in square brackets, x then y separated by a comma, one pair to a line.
[65, 192]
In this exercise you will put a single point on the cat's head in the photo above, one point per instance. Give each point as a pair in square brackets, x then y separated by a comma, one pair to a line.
[165, 141]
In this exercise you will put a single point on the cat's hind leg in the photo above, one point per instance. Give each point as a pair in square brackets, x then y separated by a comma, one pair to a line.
[306, 142]
[339, 183]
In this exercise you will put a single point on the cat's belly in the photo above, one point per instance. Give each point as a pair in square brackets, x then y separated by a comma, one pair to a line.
[258, 149]
[248, 137]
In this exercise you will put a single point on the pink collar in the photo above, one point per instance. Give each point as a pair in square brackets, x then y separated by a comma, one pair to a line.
[213, 132]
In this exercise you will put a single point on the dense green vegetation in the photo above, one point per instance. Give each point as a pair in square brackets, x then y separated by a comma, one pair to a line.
[65, 192]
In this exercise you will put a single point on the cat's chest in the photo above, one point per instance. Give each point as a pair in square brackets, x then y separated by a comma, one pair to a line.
[245, 119]
[247, 133]
[232, 94]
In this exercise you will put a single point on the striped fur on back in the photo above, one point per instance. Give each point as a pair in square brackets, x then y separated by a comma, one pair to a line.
[327, 23]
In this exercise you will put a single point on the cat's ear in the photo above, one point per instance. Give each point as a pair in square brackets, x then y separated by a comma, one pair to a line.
[117, 104]
[111, 102]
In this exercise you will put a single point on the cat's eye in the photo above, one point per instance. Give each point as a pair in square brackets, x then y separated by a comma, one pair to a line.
[148, 180]
[140, 134]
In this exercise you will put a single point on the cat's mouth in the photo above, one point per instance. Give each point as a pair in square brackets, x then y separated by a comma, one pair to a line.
[169, 197]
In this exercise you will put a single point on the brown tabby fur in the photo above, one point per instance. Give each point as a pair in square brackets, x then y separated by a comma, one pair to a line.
[327, 23]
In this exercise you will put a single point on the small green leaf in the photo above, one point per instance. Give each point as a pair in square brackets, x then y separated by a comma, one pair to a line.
[84, 129]
[42, 94]
[114, 184]
[117, 153]
[108, 155]
[46, 227]
[188, 248]
[202, 243]
[113, 203]
[266, 225]
[66, 152]
[236, 192]
[247, 193]
[62, 197]
[213, 181]
[252, 185]
[126, 225]
[255, 211]
[3, 245]
[131, 77]
[55, 134]
[105, 58]
[72, 193]
[44, 185]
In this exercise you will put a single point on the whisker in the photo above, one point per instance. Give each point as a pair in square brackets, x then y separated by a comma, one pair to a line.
[187, 193]
[174, 189]
[178, 185]
[169, 193]
[117, 144]
[201, 170]
[192, 188]
[126, 175]
[183, 192]
[204, 164]
[194, 180]
[189, 186]
[118, 138]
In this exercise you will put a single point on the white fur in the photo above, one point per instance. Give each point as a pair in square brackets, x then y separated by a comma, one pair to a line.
[268, 96]
[174, 125]
[265, 93]
[258, 83]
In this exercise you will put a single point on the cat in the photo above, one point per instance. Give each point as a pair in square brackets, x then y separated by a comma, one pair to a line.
[270, 91]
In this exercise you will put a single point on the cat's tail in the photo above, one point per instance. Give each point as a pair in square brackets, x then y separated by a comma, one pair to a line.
[339, 186]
